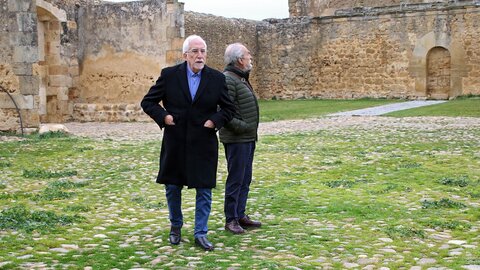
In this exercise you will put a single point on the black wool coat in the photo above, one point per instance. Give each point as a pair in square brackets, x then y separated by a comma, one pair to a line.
[189, 153]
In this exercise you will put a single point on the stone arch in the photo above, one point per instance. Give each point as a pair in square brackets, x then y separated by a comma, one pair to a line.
[51, 89]
[419, 64]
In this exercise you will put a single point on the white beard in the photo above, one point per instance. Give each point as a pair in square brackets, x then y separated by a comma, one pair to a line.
[249, 66]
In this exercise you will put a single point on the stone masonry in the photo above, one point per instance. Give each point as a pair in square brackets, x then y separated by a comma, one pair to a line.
[90, 60]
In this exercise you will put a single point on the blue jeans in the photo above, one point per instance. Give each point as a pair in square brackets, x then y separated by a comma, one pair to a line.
[239, 160]
[203, 205]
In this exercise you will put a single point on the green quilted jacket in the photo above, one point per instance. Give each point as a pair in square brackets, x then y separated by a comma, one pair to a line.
[244, 125]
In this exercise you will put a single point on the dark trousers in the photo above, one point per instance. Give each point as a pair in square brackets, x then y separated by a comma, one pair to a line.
[239, 162]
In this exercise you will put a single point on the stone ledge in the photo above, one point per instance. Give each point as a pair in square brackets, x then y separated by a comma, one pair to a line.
[118, 112]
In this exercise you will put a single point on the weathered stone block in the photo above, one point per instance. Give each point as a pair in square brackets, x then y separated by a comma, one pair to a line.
[26, 22]
[60, 80]
[74, 71]
[26, 54]
[62, 106]
[20, 5]
[22, 101]
[173, 56]
[62, 93]
[57, 70]
[177, 43]
[22, 69]
[24, 39]
[53, 128]
[30, 118]
[72, 25]
[52, 91]
[28, 85]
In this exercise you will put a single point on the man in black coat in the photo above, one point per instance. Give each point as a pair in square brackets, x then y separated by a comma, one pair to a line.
[195, 104]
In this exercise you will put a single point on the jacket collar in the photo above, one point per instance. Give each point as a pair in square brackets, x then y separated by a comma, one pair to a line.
[238, 72]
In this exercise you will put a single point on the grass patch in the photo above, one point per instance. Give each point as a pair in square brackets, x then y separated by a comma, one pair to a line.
[15, 196]
[461, 181]
[448, 224]
[44, 174]
[340, 183]
[147, 204]
[4, 164]
[20, 218]
[401, 231]
[53, 134]
[51, 194]
[468, 106]
[77, 208]
[274, 110]
[65, 184]
[442, 203]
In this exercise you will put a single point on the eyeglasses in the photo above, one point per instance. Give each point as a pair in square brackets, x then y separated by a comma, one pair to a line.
[197, 51]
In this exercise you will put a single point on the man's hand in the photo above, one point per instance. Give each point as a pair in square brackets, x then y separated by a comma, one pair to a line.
[169, 120]
[209, 124]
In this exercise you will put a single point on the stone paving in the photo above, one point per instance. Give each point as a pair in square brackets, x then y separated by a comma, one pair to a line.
[380, 110]
[150, 131]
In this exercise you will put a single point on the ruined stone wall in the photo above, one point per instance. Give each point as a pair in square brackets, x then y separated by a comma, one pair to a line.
[465, 30]
[218, 32]
[315, 8]
[360, 53]
[123, 47]
[17, 54]
[86, 60]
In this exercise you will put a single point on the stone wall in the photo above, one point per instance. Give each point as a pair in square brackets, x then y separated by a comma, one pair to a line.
[226, 31]
[86, 60]
[369, 53]
[81, 60]
[316, 8]
[18, 45]
[123, 47]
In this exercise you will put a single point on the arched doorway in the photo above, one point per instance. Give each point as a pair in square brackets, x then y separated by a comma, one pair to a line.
[438, 56]
[438, 73]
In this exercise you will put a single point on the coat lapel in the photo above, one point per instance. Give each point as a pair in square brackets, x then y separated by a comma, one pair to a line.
[182, 77]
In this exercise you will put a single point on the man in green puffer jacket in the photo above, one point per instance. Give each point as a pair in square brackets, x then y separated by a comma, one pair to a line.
[239, 137]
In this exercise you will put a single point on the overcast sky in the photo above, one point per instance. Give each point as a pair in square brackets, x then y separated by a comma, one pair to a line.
[247, 9]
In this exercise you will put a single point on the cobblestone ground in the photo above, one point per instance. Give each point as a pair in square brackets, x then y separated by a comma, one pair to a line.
[149, 130]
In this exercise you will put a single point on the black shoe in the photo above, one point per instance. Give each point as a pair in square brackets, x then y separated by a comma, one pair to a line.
[175, 235]
[234, 227]
[204, 243]
[247, 222]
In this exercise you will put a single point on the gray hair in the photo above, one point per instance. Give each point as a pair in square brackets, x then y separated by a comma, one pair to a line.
[186, 43]
[233, 52]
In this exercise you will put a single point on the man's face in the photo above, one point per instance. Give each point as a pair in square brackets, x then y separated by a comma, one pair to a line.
[246, 61]
[196, 56]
